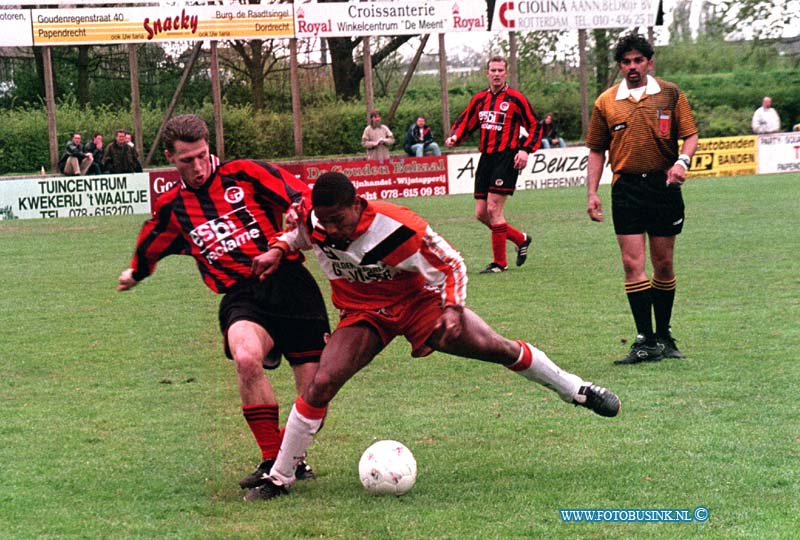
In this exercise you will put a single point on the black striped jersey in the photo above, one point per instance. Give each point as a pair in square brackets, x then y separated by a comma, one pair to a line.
[499, 116]
[224, 224]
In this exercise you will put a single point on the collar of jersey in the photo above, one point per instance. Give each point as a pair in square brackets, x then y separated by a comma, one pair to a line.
[623, 92]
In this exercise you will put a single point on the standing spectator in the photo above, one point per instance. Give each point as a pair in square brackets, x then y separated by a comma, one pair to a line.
[137, 167]
[76, 160]
[223, 215]
[550, 135]
[765, 118]
[120, 157]
[96, 148]
[419, 140]
[377, 138]
[391, 275]
[639, 121]
[499, 112]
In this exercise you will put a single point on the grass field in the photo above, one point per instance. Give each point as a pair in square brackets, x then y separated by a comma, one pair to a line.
[120, 418]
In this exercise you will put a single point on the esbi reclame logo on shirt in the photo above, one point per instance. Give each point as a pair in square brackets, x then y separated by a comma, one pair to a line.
[222, 235]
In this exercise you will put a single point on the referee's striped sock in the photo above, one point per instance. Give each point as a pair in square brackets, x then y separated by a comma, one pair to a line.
[663, 294]
[641, 302]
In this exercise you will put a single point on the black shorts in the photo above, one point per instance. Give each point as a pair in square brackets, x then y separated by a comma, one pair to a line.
[288, 305]
[496, 174]
[644, 204]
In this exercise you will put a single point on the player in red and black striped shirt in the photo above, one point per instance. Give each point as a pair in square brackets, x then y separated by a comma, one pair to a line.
[500, 112]
[224, 215]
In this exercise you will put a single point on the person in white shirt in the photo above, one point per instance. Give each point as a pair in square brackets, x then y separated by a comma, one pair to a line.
[766, 119]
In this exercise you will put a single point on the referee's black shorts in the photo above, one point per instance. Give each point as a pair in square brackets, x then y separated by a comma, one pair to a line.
[496, 174]
[642, 203]
[288, 305]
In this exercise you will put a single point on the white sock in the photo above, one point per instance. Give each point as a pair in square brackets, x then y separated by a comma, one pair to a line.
[297, 437]
[534, 365]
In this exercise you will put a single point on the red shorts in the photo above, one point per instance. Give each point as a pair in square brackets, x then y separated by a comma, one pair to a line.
[414, 318]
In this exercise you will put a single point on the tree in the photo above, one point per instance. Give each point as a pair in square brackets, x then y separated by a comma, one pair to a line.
[259, 58]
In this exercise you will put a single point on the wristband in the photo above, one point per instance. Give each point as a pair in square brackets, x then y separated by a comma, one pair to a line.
[685, 159]
[682, 164]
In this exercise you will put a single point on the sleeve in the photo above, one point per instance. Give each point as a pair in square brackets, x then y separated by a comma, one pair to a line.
[467, 121]
[365, 137]
[528, 119]
[388, 136]
[157, 239]
[424, 251]
[598, 138]
[686, 125]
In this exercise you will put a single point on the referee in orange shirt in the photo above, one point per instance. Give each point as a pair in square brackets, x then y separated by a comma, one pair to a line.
[639, 122]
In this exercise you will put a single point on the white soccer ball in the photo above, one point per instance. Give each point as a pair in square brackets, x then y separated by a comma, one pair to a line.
[387, 468]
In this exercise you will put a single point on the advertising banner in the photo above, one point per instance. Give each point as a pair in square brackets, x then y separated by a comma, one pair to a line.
[337, 19]
[89, 25]
[531, 15]
[394, 178]
[551, 168]
[779, 153]
[15, 27]
[725, 156]
[70, 196]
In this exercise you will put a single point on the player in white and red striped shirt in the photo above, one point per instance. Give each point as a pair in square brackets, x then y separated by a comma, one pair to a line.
[392, 275]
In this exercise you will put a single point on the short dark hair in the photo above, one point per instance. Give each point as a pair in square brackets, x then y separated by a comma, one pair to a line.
[373, 114]
[497, 58]
[333, 189]
[188, 128]
[632, 42]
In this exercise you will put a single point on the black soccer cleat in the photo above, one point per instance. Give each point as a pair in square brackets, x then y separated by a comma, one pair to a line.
[600, 400]
[266, 491]
[493, 268]
[261, 474]
[670, 349]
[522, 250]
[642, 352]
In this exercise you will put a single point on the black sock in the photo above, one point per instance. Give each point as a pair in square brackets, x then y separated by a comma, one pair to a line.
[663, 294]
[641, 303]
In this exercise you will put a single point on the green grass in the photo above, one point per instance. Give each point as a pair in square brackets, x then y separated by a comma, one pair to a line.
[120, 418]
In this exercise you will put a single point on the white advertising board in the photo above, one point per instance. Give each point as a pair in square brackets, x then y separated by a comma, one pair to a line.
[71, 196]
[779, 153]
[551, 168]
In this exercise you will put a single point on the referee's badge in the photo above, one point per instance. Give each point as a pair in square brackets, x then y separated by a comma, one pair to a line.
[663, 122]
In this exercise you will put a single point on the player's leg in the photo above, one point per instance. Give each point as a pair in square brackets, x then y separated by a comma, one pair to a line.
[348, 350]
[664, 285]
[480, 341]
[638, 291]
[248, 344]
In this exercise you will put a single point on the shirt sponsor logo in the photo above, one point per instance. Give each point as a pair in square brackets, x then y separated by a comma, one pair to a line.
[224, 234]
[492, 120]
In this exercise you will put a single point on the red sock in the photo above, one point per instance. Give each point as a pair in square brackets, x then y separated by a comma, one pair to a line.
[263, 422]
[499, 244]
[514, 235]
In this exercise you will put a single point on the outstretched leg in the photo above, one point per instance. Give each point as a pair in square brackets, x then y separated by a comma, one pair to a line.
[480, 341]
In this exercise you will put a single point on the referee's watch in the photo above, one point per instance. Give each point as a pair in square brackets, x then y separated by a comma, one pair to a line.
[684, 160]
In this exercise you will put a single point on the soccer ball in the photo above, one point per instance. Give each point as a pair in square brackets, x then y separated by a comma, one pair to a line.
[387, 468]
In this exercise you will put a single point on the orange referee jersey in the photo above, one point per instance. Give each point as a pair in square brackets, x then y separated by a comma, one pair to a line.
[641, 137]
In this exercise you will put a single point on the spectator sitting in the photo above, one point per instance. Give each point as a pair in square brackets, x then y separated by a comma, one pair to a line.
[377, 138]
[419, 140]
[765, 118]
[120, 157]
[96, 148]
[550, 136]
[76, 160]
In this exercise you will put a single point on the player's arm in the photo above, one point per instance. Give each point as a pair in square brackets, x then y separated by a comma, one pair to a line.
[465, 124]
[594, 170]
[158, 238]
